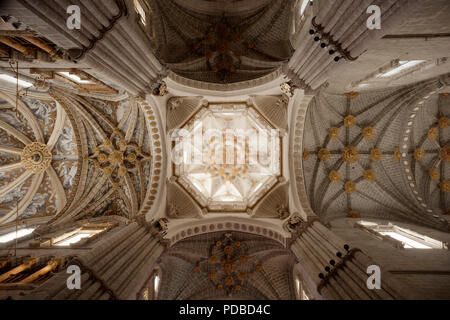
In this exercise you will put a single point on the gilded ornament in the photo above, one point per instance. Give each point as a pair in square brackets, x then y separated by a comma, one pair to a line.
[107, 171]
[229, 281]
[432, 133]
[434, 174]
[350, 154]
[36, 157]
[305, 154]
[212, 275]
[242, 276]
[213, 259]
[443, 122]
[419, 153]
[108, 144]
[116, 158]
[353, 214]
[368, 133]
[350, 187]
[445, 154]
[349, 121]
[122, 145]
[323, 154]
[352, 95]
[334, 176]
[397, 154]
[375, 154]
[445, 186]
[228, 250]
[131, 157]
[102, 158]
[333, 133]
[369, 175]
[122, 172]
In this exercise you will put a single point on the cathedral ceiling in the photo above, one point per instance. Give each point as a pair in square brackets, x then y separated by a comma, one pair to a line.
[357, 161]
[73, 157]
[219, 162]
[223, 49]
[38, 158]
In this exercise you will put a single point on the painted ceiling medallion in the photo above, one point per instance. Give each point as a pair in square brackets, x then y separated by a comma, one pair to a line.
[350, 154]
[229, 157]
[36, 157]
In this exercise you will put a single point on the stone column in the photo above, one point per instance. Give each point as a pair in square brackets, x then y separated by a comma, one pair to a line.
[338, 270]
[114, 268]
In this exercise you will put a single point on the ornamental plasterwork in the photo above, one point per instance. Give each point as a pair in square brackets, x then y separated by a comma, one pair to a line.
[36, 157]
[34, 139]
[121, 156]
[227, 171]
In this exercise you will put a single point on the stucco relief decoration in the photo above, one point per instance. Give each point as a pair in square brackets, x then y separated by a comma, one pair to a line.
[36, 157]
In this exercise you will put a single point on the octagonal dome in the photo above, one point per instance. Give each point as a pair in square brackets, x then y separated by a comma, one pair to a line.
[227, 157]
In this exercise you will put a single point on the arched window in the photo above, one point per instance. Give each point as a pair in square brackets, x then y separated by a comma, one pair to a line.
[405, 238]
[140, 11]
[151, 288]
[15, 235]
[300, 289]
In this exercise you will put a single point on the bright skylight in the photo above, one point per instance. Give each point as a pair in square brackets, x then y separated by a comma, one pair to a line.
[403, 66]
[12, 235]
[303, 7]
[156, 283]
[408, 243]
[408, 238]
[75, 78]
[77, 237]
[229, 158]
[13, 80]
[140, 11]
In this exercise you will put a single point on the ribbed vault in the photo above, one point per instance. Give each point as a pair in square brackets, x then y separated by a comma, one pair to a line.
[38, 157]
[215, 48]
[354, 159]
[192, 268]
[115, 174]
